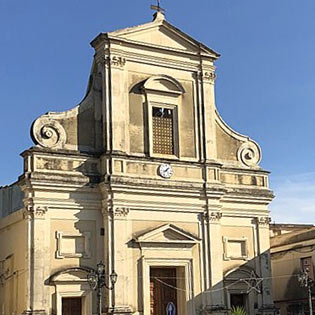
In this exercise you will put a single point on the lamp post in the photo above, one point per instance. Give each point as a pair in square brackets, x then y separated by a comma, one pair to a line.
[306, 282]
[97, 280]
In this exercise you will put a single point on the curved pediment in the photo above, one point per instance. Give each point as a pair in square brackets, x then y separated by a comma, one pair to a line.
[74, 274]
[164, 84]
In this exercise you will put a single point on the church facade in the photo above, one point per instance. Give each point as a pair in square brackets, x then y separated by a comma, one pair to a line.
[145, 176]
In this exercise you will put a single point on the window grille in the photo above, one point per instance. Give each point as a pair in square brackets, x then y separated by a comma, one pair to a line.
[163, 133]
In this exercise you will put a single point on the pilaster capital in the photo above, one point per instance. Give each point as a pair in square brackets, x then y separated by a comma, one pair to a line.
[116, 61]
[116, 211]
[209, 76]
[205, 75]
[263, 221]
[121, 211]
[215, 216]
[32, 212]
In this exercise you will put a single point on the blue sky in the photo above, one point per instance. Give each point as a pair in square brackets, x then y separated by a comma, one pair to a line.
[265, 86]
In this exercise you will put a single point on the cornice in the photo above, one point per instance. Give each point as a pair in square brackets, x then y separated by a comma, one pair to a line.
[107, 38]
[60, 152]
[154, 185]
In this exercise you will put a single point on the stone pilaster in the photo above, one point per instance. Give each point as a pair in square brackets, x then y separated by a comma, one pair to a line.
[39, 239]
[117, 103]
[116, 254]
[206, 78]
[214, 293]
[266, 305]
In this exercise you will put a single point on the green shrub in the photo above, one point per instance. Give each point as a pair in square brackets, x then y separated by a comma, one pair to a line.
[238, 310]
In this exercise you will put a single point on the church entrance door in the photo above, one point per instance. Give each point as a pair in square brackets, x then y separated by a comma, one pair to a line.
[162, 289]
[72, 306]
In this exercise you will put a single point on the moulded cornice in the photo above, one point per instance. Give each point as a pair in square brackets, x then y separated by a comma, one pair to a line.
[243, 198]
[244, 213]
[125, 182]
[242, 170]
[163, 49]
[158, 60]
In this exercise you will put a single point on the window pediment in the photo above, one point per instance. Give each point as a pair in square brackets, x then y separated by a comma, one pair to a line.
[163, 84]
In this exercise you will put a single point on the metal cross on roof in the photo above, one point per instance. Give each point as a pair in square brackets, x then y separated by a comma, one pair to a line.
[158, 7]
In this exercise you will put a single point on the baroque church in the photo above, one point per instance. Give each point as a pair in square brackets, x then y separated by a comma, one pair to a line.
[144, 176]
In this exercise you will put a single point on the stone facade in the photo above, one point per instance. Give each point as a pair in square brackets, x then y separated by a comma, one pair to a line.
[111, 180]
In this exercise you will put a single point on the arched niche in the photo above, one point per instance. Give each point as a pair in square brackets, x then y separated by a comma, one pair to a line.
[243, 284]
[71, 283]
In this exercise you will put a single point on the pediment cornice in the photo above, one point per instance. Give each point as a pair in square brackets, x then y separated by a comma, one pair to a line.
[167, 234]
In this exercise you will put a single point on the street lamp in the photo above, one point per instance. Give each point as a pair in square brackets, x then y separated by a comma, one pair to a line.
[97, 280]
[306, 282]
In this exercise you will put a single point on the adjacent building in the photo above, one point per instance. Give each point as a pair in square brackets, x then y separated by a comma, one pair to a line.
[145, 176]
[291, 253]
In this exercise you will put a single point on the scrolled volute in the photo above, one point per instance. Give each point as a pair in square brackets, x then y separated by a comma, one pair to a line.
[249, 154]
[48, 133]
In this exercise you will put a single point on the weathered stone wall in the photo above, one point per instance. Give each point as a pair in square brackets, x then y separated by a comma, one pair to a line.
[10, 199]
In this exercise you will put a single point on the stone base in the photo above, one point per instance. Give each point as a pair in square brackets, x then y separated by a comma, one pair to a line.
[214, 310]
[268, 310]
[119, 310]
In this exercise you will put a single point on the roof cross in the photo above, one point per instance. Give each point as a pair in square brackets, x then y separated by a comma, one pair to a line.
[158, 7]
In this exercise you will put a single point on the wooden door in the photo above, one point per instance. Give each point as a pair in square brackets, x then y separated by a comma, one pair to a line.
[72, 306]
[162, 289]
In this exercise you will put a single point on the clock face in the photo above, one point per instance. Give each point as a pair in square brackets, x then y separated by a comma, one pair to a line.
[165, 170]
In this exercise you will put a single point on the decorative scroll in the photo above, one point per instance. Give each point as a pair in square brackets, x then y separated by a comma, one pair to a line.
[249, 154]
[48, 133]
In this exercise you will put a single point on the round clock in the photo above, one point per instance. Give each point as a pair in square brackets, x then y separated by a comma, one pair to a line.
[165, 170]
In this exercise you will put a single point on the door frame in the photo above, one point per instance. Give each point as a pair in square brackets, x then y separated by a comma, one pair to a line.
[186, 264]
[74, 290]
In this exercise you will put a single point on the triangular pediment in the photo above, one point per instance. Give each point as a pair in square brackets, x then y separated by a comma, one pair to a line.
[163, 34]
[167, 234]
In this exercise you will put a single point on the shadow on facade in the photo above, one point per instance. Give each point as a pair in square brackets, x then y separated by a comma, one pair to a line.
[247, 285]
[244, 282]
[79, 245]
[294, 297]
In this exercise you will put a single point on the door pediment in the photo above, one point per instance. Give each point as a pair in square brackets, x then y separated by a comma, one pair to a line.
[167, 235]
